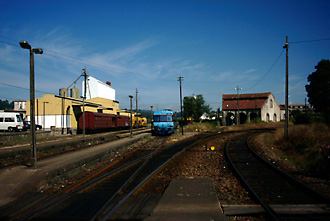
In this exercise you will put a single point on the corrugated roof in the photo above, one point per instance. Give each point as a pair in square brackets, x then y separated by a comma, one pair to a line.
[246, 96]
[246, 101]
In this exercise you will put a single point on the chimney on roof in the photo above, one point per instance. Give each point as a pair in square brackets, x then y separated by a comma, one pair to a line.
[108, 83]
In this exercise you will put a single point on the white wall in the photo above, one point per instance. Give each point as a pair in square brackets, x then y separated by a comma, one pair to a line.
[48, 121]
[271, 108]
[96, 88]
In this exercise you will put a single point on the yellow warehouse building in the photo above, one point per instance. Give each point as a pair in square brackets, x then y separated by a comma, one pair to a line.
[60, 112]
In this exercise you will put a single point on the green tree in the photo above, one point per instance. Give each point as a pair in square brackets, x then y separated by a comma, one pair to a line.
[6, 105]
[318, 89]
[188, 106]
[195, 107]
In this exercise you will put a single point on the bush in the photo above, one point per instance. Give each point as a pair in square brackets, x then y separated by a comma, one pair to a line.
[302, 118]
[307, 146]
[254, 121]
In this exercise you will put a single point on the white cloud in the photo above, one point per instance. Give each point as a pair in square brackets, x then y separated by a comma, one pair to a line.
[226, 75]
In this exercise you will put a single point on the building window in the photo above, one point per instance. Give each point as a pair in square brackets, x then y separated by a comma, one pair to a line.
[271, 103]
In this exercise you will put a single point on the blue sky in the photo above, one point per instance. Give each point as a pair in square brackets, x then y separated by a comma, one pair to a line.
[214, 45]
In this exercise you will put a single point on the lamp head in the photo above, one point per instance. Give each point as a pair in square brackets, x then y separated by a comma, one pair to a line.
[25, 44]
[38, 50]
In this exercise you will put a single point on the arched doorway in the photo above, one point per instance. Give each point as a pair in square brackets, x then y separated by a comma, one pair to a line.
[242, 118]
[253, 116]
[230, 119]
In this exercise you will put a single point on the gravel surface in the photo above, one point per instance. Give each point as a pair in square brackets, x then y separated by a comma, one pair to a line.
[206, 159]
[202, 161]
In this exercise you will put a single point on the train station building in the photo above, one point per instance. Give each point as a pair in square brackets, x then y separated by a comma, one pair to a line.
[249, 107]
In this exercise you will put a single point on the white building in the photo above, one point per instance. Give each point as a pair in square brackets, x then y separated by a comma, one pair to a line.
[96, 88]
[250, 106]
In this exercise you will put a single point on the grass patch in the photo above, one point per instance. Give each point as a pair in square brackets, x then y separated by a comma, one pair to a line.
[201, 127]
[308, 146]
[213, 127]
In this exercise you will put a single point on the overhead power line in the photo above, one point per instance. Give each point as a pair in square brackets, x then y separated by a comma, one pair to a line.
[9, 43]
[10, 85]
[267, 71]
[307, 41]
[71, 58]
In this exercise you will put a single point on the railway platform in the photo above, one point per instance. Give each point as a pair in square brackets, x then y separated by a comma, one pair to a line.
[18, 180]
[188, 199]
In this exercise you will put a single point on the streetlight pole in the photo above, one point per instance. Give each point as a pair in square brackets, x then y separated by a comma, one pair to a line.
[137, 116]
[26, 45]
[151, 114]
[131, 128]
[44, 124]
[180, 79]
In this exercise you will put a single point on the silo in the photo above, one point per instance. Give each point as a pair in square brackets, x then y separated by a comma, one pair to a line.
[74, 92]
[64, 92]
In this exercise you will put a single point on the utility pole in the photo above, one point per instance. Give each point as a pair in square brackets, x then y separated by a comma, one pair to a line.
[85, 88]
[286, 128]
[131, 128]
[137, 116]
[180, 79]
[237, 88]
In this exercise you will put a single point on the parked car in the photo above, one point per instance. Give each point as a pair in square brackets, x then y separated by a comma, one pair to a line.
[27, 126]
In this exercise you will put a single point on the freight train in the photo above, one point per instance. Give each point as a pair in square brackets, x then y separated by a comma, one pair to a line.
[163, 122]
[139, 121]
[99, 122]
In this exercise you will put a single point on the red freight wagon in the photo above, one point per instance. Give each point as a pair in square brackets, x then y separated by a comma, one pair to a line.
[97, 121]
[123, 121]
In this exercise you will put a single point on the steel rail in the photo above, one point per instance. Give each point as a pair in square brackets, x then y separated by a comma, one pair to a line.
[88, 180]
[291, 179]
[304, 193]
[106, 216]
[129, 180]
[23, 150]
[187, 143]
[271, 213]
[80, 188]
[141, 183]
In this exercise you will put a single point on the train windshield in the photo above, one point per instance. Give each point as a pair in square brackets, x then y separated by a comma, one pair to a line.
[163, 118]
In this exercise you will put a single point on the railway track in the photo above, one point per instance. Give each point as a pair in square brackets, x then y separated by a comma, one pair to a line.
[281, 196]
[13, 156]
[98, 196]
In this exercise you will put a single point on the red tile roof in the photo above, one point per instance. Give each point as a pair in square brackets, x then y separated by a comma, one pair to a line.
[246, 101]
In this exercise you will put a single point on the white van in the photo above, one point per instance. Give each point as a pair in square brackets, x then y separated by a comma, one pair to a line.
[11, 121]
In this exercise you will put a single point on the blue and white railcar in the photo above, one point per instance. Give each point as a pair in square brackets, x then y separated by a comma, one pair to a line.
[163, 122]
